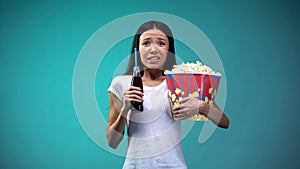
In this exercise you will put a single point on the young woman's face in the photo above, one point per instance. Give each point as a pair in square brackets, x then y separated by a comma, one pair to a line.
[153, 47]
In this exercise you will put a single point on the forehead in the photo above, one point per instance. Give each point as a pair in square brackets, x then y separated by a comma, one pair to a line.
[153, 33]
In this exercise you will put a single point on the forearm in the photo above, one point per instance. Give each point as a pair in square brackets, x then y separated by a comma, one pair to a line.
[115, 131]
[218, 117]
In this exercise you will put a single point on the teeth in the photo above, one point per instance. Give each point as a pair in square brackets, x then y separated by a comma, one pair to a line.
[153, 58]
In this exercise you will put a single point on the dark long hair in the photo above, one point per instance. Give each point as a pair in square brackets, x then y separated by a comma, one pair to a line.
[170, 60]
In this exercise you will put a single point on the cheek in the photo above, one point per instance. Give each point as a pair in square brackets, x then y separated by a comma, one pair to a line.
[142, 50]
[143, 53]
[165, 49]
[164, 52]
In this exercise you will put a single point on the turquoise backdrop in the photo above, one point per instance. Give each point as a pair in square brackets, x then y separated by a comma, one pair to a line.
[258, 44]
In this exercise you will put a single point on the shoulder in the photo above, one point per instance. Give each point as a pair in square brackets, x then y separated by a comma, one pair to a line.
[121, 79]
[121, 82]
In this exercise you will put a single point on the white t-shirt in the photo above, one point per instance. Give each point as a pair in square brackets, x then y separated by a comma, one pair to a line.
[153, 136]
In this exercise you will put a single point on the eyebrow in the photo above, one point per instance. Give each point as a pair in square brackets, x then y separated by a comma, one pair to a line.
[157, 38]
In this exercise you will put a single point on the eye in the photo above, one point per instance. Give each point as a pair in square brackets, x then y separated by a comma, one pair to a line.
[146, 43]
[161, 43]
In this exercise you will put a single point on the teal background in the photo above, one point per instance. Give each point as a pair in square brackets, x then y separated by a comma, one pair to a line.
[258, 44]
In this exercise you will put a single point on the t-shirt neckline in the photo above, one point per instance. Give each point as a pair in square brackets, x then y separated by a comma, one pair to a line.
[157, 86]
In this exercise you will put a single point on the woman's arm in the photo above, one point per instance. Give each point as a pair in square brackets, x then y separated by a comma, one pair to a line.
[116, 122]
[190, 106]
[118, 111]
[215, 115]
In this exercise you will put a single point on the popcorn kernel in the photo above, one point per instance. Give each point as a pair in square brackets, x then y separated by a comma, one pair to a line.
[177, 91]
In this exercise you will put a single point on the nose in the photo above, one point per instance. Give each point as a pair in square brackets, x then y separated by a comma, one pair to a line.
[153, 49]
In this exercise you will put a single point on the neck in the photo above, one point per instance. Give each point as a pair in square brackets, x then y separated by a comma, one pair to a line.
[153, 74]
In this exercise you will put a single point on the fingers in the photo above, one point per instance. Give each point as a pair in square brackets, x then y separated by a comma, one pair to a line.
[188, 99]
[184, 105]
[133, 97]
[178, 114]
[189, 107]
[182, 114]
[184, 100]
[184, 111]
[134, 94]
[134, 88]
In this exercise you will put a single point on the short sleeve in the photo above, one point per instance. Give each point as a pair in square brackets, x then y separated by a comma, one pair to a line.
[118, 85]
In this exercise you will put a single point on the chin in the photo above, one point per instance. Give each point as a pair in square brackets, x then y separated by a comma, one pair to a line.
[154, 67]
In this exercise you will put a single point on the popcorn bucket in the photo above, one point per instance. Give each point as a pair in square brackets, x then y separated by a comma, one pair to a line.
[201, 86]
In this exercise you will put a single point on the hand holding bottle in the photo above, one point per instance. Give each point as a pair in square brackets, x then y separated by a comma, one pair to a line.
[133, 94]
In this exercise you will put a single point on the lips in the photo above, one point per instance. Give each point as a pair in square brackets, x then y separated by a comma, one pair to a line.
[153, 58]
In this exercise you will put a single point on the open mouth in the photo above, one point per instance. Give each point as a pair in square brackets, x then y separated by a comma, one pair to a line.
[153, 58]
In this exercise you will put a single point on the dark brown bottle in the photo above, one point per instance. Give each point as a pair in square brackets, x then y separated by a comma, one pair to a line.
[137, 82]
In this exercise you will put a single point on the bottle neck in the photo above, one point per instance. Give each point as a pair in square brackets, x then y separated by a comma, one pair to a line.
[136, 71]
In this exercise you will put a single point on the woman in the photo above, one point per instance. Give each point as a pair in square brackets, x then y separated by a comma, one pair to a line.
[153, 136]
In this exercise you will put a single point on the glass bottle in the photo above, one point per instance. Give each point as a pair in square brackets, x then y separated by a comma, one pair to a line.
[137, 82]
